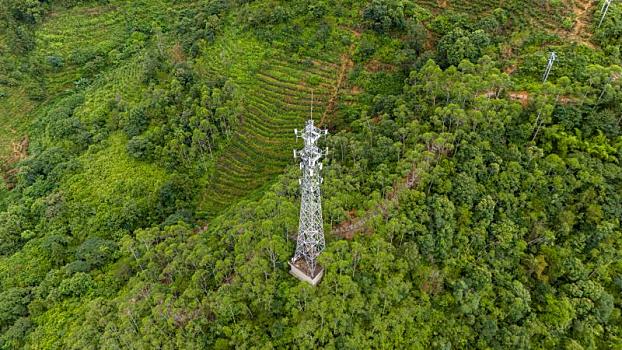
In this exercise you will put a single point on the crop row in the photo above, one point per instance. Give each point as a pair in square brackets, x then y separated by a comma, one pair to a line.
[278, 99]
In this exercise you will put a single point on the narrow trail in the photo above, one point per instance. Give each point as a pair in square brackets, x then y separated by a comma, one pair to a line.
[521, 96]
[524, 97]
[582, 14]
[353, 225]
[583, 17]
[346, 65]
[348, 228]
[20, 152]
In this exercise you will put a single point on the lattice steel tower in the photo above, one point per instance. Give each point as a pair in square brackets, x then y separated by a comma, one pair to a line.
[549, 66]
[603, 11]
[310, 242]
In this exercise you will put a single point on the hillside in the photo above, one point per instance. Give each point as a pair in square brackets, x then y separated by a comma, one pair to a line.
[149, 198]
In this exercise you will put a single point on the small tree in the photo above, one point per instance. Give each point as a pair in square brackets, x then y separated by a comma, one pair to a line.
[385, 15]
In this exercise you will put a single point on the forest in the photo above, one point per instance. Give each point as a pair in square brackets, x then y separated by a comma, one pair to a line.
[149, 198]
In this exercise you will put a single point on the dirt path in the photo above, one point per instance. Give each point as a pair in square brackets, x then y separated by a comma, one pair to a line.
[583, 15]
[523, 97]
[20, 152]
[511, 69]
[348, 228]
[346, 65]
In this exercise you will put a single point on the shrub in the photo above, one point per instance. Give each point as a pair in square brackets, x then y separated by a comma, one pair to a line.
[136, 122]
[55, 62]
[140, 148]
[97, 251]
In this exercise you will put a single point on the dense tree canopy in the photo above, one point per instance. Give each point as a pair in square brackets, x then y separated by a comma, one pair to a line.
[154, 202]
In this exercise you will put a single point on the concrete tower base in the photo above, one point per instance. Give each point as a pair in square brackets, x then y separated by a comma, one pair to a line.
[299, 270]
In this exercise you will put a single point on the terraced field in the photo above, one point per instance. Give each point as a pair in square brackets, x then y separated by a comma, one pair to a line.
[542, 13]
[277, 98]
[90, 39]
[77, 37]
[14, 106]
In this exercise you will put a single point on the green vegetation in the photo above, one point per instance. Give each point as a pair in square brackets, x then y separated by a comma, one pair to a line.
[278, 94]
[148, 198]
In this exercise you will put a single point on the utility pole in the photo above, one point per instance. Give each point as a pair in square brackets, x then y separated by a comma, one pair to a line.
[310, 242]
[603, 11]
[552, 58]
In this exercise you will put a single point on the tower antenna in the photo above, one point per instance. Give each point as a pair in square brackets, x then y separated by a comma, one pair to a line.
[312, 103]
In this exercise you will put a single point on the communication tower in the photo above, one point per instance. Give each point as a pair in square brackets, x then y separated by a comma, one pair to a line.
[310, 242]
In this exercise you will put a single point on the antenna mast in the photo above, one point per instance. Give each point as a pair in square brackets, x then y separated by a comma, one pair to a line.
[312, 104]
[310, 242]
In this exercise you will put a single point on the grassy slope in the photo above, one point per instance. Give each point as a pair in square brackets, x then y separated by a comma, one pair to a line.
[77, 36]
[112, 177]
[276, 95]
[275, 89]
[14, 108]
[64, 34]
[275, 92]
[78, 32]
